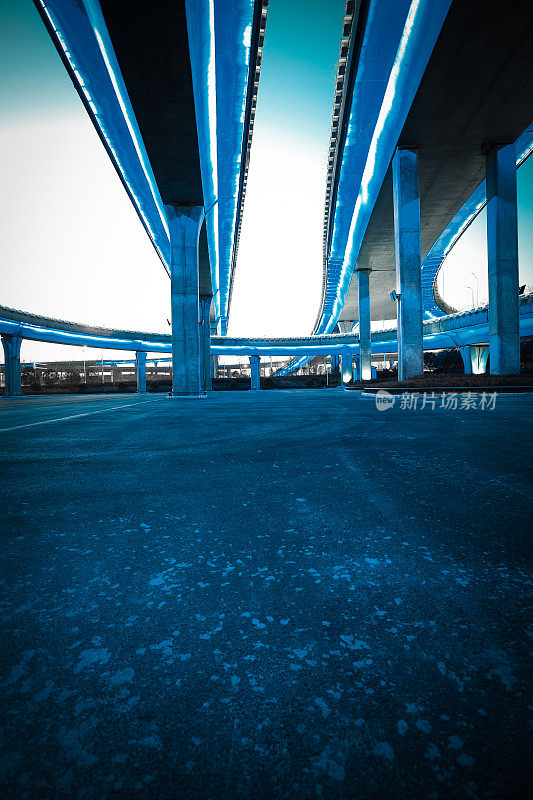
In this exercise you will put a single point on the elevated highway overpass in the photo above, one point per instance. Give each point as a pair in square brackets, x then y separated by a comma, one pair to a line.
[430, 97]
[171, 88]
[419, 101]
[433, 305]
[466, 330]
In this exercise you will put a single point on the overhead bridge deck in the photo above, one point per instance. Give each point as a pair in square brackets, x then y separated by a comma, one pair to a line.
[171, 88]
[412, 75]
[453, 330]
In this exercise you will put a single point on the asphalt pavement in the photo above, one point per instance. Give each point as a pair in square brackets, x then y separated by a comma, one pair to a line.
[283, 594]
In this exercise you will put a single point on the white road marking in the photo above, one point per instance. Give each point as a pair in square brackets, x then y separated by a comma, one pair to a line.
[74, 416]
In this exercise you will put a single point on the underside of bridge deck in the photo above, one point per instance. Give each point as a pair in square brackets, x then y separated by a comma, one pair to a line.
[152, 48]
[476, 91]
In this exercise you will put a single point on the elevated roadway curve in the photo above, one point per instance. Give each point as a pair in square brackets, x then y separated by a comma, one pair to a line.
[171, 89]
[454, 330]
[448, 78]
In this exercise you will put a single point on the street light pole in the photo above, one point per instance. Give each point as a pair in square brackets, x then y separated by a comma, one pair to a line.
[477, 287]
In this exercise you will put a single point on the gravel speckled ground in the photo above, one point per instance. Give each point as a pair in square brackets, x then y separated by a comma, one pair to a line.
[264, 595]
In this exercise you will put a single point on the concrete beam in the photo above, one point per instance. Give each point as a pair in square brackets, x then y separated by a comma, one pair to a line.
[255, 375]
[205, 343]
[11, 345]
[469, 327]
[407, 252]
[140, 359]
[363, 299]
[502, 241]
[184, 225]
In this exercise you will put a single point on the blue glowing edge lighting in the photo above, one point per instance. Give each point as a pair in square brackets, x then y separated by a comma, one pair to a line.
[94, 16]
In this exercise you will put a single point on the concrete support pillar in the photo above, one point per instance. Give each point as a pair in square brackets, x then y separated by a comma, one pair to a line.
[205, 343]
[467, 359]
[335, 365]
[215, 366]
[141, 370]
[480, 356]
[255, 377]
[347, 375]
[363, 299]
[11, 345]
[502, 241]
[475, 358]
[356, 368]
[223, 326]
[184, 225]
[407, 250]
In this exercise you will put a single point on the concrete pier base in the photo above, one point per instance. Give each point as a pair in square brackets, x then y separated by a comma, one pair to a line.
[13, 384]
[140, 358]
[475, 359]
[346, 360]
[467, 360]
[356, 368]
[255, 374]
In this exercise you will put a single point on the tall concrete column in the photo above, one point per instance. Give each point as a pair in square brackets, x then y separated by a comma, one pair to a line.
[502, 241]
[363, 299]
[184, 225]
[467, 359]
[255, 376]
[356, 368]
[215, 366]
[141, 370]
[335, 365]
[346, 358]
[11, 345]
[407, 250]
[479, 355]
[205, 343]
[475, 358]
